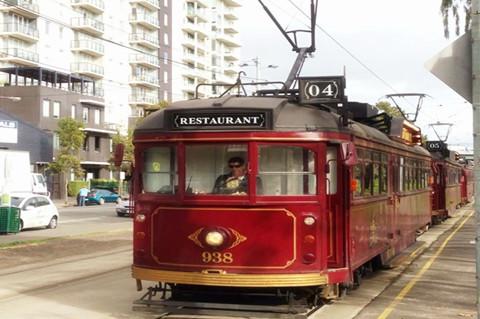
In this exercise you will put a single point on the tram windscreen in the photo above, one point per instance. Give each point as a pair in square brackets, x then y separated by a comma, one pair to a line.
[159, 170]
[287, 170]
[216, 169]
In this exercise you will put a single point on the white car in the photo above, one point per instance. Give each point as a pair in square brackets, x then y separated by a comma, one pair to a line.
[124, 208]
[35, 211]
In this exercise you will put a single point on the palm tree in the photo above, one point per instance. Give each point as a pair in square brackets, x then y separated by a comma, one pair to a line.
[455, 7]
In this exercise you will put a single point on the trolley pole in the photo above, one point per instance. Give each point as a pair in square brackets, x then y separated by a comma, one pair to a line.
[476, 132]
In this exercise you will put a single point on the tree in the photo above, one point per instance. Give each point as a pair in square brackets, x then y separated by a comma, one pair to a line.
[388, 108]
[160, 105]
[71, 138]
[453, 8]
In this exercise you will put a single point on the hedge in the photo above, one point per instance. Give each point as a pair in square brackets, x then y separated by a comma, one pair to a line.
[74, 187]
[110, 184]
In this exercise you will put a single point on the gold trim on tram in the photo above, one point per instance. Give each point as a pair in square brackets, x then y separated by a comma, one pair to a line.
[230, 280]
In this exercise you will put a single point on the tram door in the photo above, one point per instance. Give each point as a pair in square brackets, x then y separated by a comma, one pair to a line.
[335, 207]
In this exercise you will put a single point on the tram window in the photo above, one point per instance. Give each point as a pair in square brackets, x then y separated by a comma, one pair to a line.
[159, 170]
[358, 178]
[287, 170]
[216, 169]
[383, 178]
[332, 170]
[368, 178]
[376, 178]
[401, 175]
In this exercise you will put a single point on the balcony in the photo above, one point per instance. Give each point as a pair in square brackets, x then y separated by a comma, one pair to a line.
[145, 39]
[19, 56]
[228, 39]
[200, 14]
[149, 4]
[230, 56]
[88, 69]
[148, 21]
[144, 80]
[90, 47]
[145, 60]
[25, 8]
[20, 31]
[143, 100]
[94, 6]
[201, 3]
[229, 27]
[198, 28]
[92, 26]
[230, 13]
[232, 3]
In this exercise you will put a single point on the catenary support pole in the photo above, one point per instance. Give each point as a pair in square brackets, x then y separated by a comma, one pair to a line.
[476, 132]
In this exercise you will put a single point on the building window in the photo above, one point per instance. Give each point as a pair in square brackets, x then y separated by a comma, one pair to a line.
[97, 143]
[165, 38]
[85, 115]
[165, 76]
[165, 19]
[85, 144]
[73, 111]
[165, 95]
[165, 57]
[46, 108]
[56, 141]
[165, 3]
[96, 115]
[56, 110]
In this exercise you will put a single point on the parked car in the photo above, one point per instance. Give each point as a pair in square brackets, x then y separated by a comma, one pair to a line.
[35, 211]
[101, 196]
[124, 208]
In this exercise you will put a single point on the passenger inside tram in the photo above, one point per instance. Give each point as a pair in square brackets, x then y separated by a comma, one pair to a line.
[235, 182]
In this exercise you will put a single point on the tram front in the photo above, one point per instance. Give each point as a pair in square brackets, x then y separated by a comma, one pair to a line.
[232, 192]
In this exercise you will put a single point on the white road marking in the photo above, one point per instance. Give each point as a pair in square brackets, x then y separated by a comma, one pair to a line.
[70, 221]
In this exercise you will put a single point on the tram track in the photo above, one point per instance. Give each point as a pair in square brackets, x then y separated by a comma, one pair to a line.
[24, 281]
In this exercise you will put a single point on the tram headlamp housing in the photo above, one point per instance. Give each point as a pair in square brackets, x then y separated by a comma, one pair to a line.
[140, 218]
[309, 220]
[214, 238]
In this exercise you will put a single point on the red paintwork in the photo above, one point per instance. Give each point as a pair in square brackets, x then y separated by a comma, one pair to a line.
[348, 232]
[446, 194]
[467, 184]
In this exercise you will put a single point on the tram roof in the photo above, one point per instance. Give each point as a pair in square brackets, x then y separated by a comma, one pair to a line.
[287, 116]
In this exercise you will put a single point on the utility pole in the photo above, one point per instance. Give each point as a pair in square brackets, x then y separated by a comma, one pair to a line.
[476, 132]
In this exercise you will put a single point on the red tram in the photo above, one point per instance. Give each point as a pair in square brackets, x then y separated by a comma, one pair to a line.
[468, 184]
[329, 198]
[449, 181]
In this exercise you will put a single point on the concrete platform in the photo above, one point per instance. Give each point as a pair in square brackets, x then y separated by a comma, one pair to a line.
[435, 278]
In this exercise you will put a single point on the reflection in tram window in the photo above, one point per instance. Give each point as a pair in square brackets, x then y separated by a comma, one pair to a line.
[207, 164]
[159, 170]
[287, 170]
[332, 170]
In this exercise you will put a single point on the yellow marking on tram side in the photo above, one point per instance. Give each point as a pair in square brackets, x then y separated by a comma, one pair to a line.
[406, 289]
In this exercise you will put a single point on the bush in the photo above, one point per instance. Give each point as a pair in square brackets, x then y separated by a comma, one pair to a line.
[110, 184]
[74, 187]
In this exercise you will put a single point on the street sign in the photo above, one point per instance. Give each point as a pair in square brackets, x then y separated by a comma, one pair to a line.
[8, 131]
[453, 66]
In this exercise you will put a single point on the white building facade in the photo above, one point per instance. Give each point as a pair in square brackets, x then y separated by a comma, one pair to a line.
[118, 45]
[205, 46]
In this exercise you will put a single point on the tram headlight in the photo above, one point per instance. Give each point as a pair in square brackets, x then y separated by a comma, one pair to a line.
[214, 238]
[309, 221]
[140, 218]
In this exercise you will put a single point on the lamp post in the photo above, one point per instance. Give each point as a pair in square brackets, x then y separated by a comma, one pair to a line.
[257, 64]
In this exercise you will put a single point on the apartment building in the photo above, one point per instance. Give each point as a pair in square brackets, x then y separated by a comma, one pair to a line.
[205, 46]
[105, 56]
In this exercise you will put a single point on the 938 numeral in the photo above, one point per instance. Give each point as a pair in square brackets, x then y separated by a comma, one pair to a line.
[217, 258]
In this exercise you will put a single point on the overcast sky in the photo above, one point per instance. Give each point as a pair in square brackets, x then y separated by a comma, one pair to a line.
[393, 39]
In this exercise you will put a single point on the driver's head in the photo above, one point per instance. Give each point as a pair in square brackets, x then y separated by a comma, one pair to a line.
[237, 165]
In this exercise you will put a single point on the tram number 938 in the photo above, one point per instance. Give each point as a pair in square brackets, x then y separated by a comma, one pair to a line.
[217, 258]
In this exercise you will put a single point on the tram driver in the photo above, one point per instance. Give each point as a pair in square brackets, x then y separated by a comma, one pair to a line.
[235, 182]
